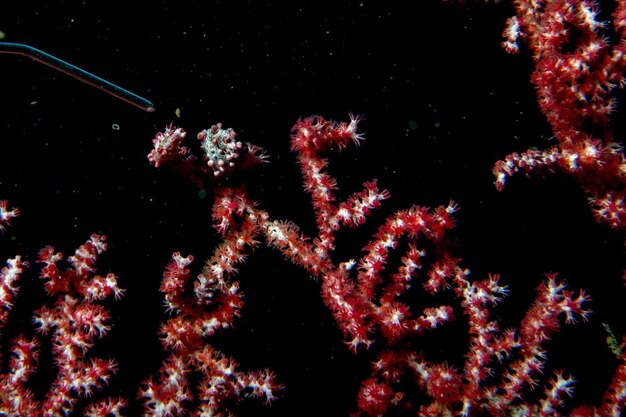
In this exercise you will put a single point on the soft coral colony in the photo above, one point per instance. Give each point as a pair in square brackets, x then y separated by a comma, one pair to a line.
[580, 64]
[369, 301]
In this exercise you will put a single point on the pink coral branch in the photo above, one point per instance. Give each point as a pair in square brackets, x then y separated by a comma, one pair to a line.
[214, 305]
[74, 322]
[578, 74]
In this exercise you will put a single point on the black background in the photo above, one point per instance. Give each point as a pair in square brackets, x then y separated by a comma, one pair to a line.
[441, 102]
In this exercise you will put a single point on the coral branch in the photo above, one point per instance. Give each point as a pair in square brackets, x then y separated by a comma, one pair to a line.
[73, 322]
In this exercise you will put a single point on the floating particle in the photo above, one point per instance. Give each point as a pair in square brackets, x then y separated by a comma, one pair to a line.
[115, 126]
[177, 112]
